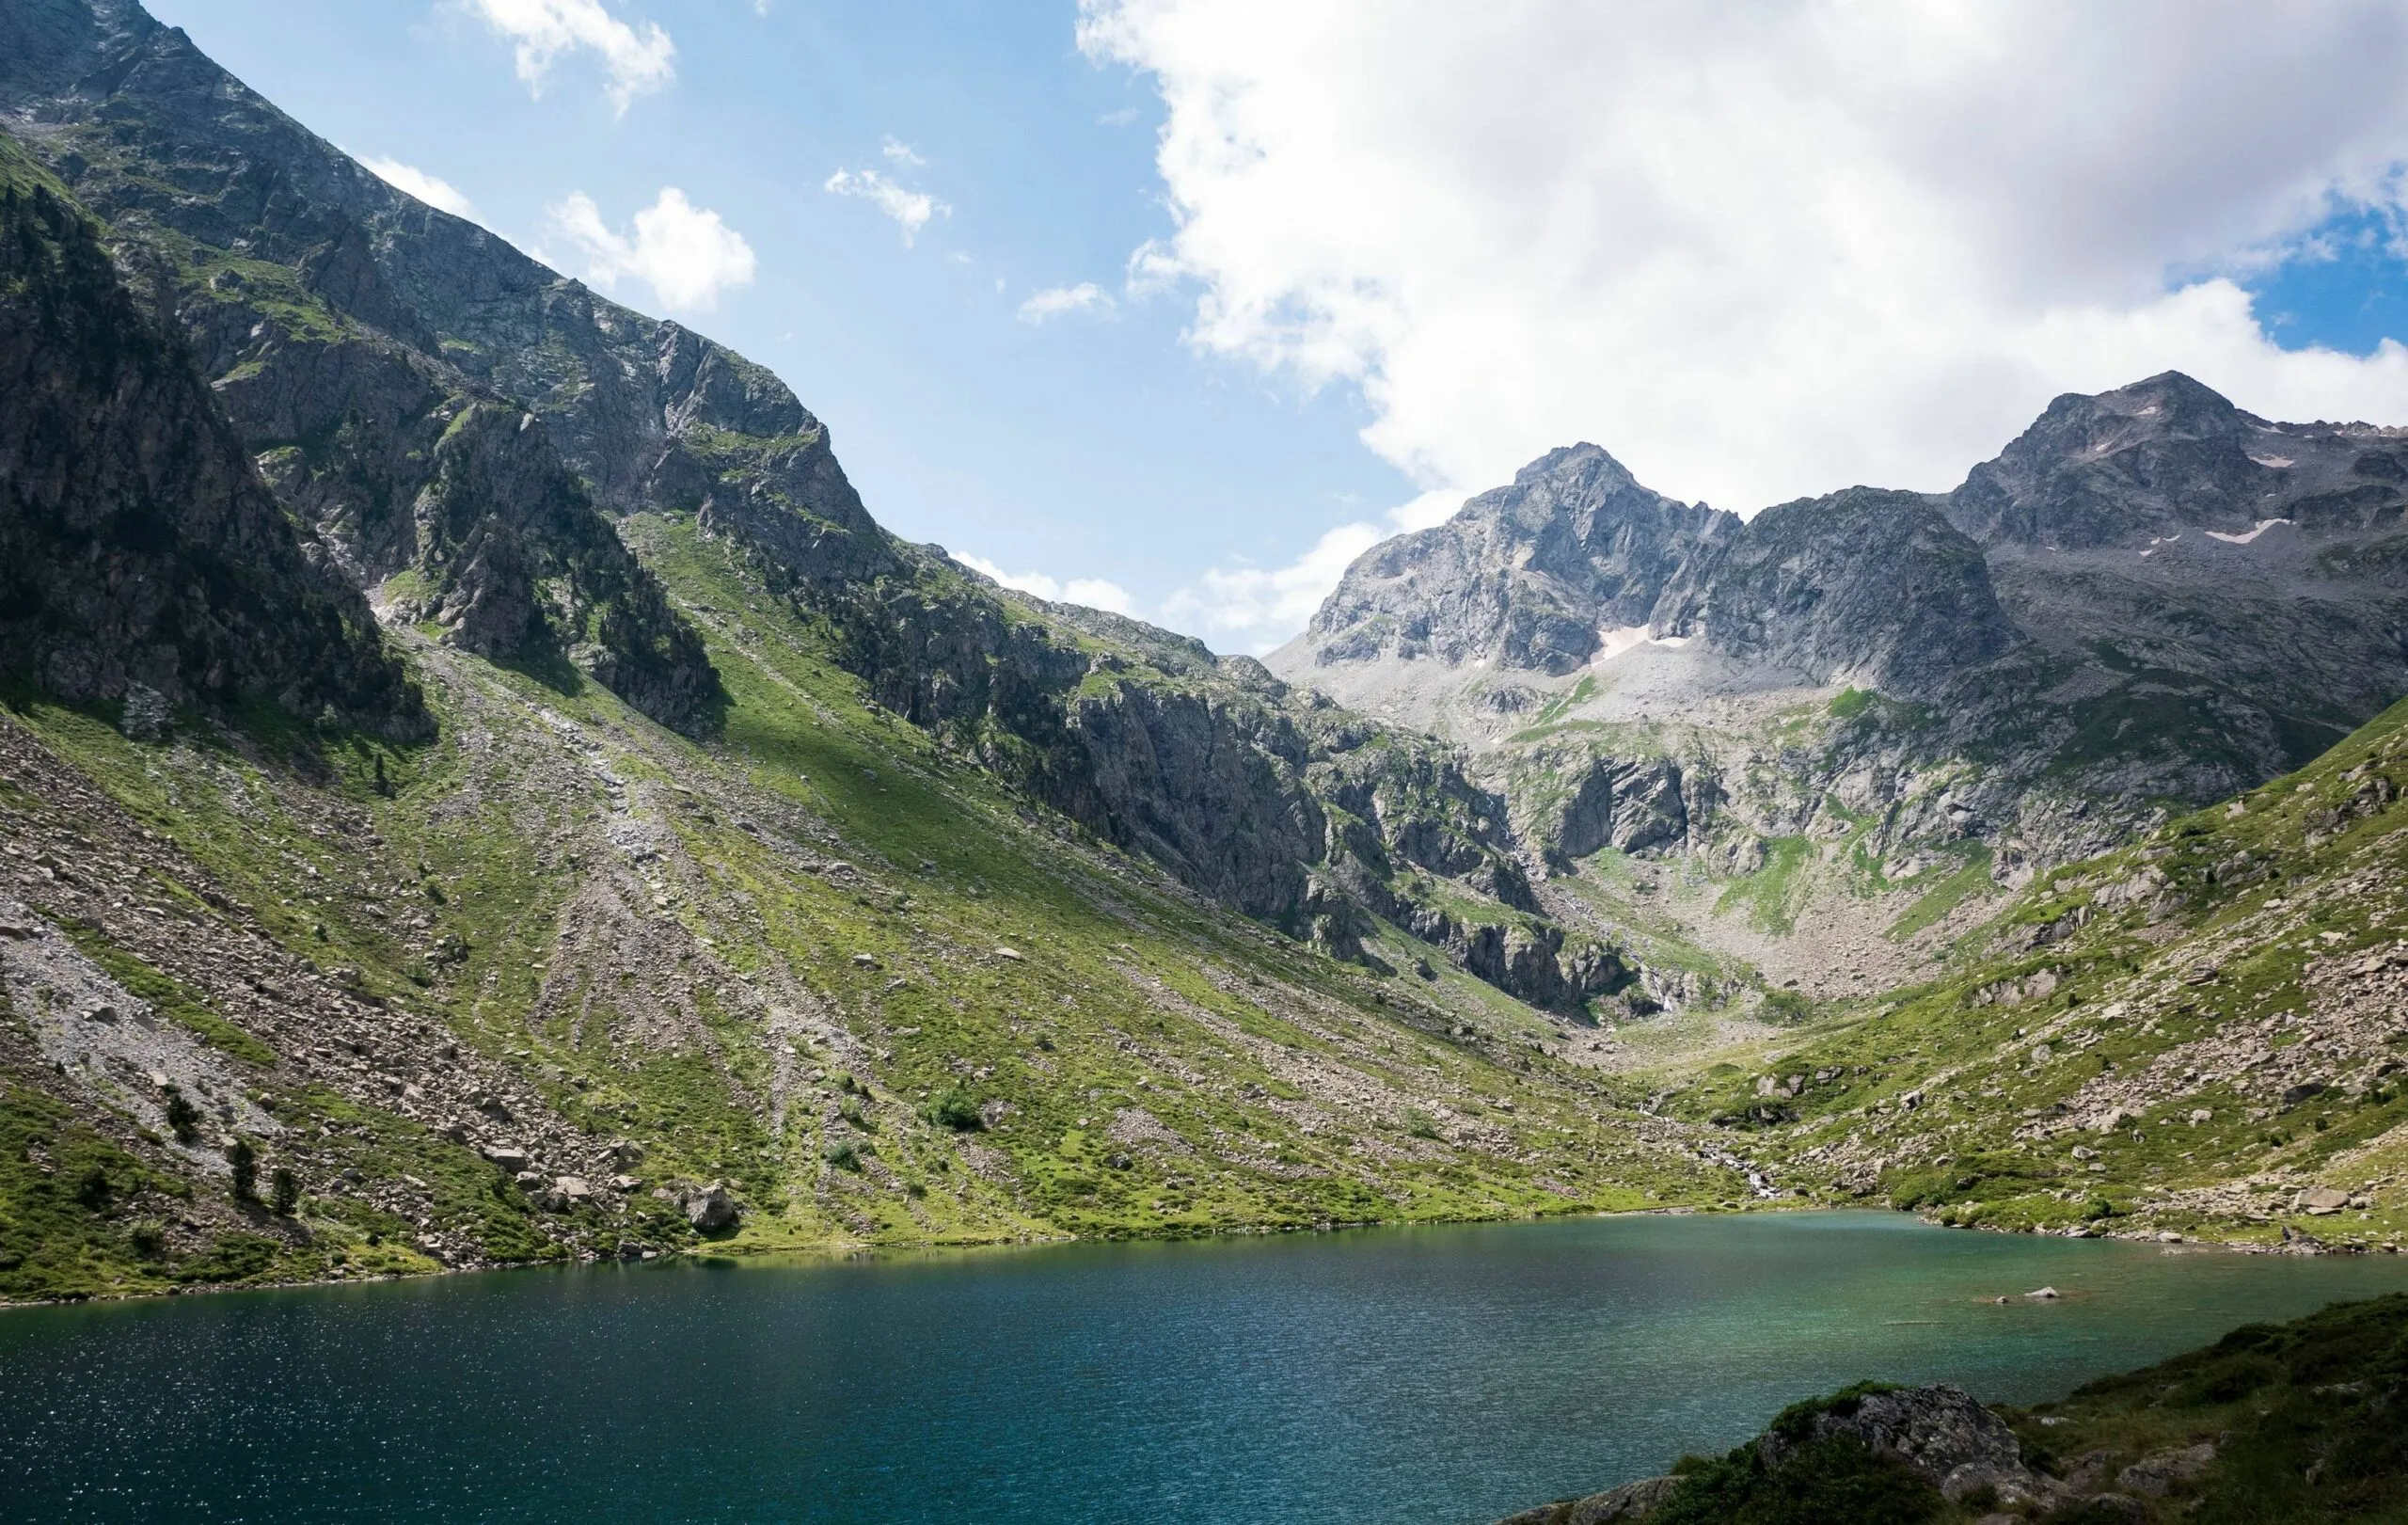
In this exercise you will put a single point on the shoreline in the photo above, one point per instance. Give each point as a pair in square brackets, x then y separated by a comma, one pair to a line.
[2304, 1248]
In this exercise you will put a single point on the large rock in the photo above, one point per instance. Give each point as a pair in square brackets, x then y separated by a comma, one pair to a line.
[1632, 1501]
[1939, 1432]
[710, 1209]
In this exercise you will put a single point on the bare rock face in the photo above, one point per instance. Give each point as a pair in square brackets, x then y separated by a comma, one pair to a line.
[140, 554]
[2150, 596]
[1528, 576]
[1874, 588]
[389, 363]
[2167, 455]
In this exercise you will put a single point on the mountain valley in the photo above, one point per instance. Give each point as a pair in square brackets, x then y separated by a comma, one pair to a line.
[482, 788]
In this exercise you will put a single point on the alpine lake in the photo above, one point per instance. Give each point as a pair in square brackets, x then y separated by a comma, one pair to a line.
[1444, 1375]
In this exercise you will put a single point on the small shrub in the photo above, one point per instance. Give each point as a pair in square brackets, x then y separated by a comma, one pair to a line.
[149, 1239]
[842, 1154]
[953, 1108]
[183, 1119]
[93, 1189]
[1420, 1125]
[244, 1162]
[283, 1191]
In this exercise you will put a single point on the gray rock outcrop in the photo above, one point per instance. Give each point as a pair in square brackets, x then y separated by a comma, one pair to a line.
[141, 557]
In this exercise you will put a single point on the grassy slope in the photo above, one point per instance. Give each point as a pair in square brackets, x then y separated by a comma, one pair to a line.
[2231, 969]
[768, 961]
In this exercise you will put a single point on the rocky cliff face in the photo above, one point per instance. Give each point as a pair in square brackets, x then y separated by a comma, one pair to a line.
[298, 277]
[139, 552]
[1874, 588]
[2151, 461]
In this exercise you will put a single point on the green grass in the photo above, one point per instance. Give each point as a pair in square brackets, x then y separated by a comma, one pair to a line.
[1970, 877]
[1771, 896]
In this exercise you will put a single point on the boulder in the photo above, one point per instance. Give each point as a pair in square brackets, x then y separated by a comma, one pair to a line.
[710, 1209]
[1632, 1501]
[573, 1188]
[509, 1157]
[2320, 1202]
[2158, 1473]
[1938, 1432]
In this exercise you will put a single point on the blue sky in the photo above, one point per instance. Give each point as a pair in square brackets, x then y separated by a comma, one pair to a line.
[1409, 243]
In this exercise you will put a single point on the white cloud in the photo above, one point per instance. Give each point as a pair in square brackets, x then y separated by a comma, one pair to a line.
[538, 31]
[684, 252]
[910, 210]
[901, 154]
[1084, 300]
[1254, 609]
[440, 194]
[1755, 251]
[1153, 269]
[1093, 592]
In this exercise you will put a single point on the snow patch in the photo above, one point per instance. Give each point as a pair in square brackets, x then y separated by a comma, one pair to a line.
[2273, 461]
[2263, 524]
[1612, 644]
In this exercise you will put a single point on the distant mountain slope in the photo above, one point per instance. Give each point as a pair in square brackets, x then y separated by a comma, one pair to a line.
[2200, 1031]
[2149, 600]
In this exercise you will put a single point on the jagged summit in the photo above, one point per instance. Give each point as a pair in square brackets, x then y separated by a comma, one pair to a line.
[1534, 575]
[2148, 461]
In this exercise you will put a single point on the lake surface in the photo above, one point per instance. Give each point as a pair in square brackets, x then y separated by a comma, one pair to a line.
[1406, 1376]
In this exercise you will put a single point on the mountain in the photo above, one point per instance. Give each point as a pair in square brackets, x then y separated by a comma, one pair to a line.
[1868, 713]
[544, 814]
[481, 786]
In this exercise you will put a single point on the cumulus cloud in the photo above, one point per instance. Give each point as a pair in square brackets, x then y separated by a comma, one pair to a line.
[684, 252]
[1254, 609]
[910, 208]
[440, 194]
[1093, 592]
[1085, 299]
[1755, 251]
[636, 62]
[901, 154]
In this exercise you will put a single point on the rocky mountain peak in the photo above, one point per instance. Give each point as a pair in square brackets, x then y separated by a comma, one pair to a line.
[1530, 575]
[2144, 463]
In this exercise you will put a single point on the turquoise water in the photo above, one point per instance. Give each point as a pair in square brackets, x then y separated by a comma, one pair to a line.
[1438, 1375]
